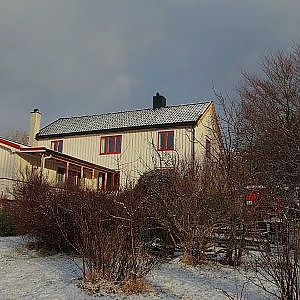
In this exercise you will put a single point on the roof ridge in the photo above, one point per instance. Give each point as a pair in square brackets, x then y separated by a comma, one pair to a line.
[126, 111]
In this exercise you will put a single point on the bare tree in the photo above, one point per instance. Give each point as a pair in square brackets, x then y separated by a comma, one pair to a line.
[17, 135]
[270, 135]
[270, 105]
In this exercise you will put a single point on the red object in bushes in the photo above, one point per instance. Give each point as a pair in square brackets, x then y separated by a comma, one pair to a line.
[251, 198]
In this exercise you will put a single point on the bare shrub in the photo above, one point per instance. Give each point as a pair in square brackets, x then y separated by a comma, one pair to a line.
[37, 212]
[110, 232]
[186, 205]
[105, 229]
[276, 263]
[7, 223]
[136, 285]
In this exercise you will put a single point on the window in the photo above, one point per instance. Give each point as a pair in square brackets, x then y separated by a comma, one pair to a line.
[208, 148]
[60, 175]
[110, 144]
[57, 146]
[166, 140]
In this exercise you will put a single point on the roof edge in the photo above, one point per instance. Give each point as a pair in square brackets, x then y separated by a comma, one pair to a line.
[209, 104]
[58, 155]
[11, 143]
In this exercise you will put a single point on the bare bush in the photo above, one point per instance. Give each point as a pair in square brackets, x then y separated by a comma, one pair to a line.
[37, 210]
[276, 263]
[186, 203]
[105, 229]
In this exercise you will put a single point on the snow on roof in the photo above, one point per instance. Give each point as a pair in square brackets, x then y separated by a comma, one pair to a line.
[170, 115]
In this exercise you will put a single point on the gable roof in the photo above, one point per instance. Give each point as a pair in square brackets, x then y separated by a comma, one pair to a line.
[138, 119]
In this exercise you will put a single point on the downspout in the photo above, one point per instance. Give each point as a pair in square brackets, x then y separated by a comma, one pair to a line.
[193, 146]
[43, 161]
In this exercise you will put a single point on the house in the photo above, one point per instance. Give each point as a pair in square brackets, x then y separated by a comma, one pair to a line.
[110, 150]
[16, 159]
[132, 142]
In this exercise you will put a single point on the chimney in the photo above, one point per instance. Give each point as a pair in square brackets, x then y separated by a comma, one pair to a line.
[34, 127]
[159, 101]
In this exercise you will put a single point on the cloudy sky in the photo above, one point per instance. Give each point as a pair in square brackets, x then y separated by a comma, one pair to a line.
[76, 57]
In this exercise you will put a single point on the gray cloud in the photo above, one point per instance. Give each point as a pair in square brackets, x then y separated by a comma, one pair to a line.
[71, 57]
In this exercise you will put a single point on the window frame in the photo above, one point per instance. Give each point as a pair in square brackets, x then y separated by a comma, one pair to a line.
[55, 145]
[106, 138]
[208, 148]
[166, 148]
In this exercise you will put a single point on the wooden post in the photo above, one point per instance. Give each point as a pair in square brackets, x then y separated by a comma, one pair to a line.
[93, 180]
[67, 170]
[105, 182]
[112, 182]
[82, 183]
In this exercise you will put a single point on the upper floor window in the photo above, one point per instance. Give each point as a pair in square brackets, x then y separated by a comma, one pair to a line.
[208, 148]
[110, 144]
[57, 146]
[166, 140]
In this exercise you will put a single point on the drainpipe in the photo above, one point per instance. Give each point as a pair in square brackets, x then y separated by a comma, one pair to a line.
[193, 146]
[43, 161]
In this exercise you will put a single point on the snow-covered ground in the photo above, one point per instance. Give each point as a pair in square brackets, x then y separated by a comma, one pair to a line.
[27, 275]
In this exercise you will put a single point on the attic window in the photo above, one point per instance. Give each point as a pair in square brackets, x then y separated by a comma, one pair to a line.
[166, 140]
[57, 146]
[110, 144]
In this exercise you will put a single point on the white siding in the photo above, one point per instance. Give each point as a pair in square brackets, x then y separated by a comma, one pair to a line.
[138, 154]
[7, 169]
[12, 166]
[207, 128]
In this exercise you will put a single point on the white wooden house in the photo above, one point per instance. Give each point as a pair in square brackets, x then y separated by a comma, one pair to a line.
[133, 142]
[110, 150]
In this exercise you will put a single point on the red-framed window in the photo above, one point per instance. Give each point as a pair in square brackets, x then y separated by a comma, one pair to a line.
[208, 148]
[166, 140]
[111, 144]
[57, 145]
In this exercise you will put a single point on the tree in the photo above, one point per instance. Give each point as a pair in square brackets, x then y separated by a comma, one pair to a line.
[17, 135]
[270, 135]
[270, 105]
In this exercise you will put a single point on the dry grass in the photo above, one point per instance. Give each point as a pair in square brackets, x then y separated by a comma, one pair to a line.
[94, 284]
[189, 260]
[98, 286]
[136, 285]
